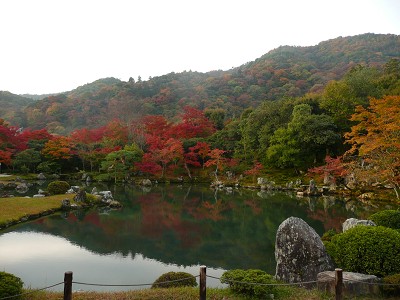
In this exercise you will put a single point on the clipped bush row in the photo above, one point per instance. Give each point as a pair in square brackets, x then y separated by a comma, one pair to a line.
[174, 279]
[10, 285]
[387, 218]
[58, 187]
[371, 250]
[234, 278]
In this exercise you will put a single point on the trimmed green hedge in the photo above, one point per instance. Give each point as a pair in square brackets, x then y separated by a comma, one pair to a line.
[184, 279]
[58, 187]
[10, 285]
[387, 218]
[371, 250]
[233, 278]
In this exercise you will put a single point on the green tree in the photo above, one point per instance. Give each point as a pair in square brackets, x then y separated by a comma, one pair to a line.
[28, 158]
[306, 139]
[121, 163]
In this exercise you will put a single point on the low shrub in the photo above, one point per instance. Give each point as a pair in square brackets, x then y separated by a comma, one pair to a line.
[10, 285]
[174, 279]
[392, 285]
[58, 187]
[387, 218]
[373, 250]
[328, 235]
[234, 278]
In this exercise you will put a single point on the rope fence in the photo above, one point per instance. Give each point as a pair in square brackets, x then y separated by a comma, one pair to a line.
[202, 279]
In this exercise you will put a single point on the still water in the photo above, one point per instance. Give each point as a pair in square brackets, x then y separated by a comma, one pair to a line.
[162, 229]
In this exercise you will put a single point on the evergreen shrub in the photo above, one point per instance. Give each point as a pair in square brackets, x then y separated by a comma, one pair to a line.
[10, 285]
[183, 279]
[387, 218]
[373, 250]
[234, 277]
[58, 187]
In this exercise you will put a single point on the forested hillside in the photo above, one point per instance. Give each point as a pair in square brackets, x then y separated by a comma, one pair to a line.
[223, 124]
[285, 72]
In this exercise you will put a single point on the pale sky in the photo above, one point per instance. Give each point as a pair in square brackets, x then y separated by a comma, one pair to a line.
[50, 46]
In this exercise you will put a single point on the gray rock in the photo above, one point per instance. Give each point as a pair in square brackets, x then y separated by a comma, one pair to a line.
[353, 283]
[299, 252]
[106, 195]
[261, 181]
[80, 196]
[41, 176]
[22, 188]
[146, 182]
[38, 196]
[65, 204]
[352, 222]
[73, 189]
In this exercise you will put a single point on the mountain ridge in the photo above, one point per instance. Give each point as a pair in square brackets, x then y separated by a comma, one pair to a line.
[286, 71]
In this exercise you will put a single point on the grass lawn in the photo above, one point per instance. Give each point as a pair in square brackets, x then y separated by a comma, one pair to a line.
[181, 293]
[15, 208]
[190, 293]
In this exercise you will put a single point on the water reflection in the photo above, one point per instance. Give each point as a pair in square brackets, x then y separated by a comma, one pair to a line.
[41, 260]
[163, 229]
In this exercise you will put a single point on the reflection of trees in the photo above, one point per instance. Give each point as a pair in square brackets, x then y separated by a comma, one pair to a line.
[187, 227]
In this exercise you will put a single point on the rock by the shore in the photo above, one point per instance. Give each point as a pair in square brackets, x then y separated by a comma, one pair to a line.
[352, 222]
[299, 252]
[146, 182]
[41, 176]
[354, 284]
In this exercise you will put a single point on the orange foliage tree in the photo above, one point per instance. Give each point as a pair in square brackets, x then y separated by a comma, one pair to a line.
[376, 139]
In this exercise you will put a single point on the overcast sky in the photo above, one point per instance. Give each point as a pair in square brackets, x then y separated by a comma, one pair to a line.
[57, 45]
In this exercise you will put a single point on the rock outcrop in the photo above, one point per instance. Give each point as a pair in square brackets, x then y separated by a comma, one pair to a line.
[299, 252]
[354, 284]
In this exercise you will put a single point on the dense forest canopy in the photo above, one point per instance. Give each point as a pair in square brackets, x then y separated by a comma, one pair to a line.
[281, 73]
[293, 108]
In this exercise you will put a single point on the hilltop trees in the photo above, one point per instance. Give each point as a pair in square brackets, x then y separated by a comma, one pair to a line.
[178, 138]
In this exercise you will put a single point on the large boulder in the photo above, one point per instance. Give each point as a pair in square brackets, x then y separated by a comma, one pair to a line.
[354, 284]
[352, 222]
[299, 252]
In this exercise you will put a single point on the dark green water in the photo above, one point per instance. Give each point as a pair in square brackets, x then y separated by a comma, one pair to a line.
[165, 228]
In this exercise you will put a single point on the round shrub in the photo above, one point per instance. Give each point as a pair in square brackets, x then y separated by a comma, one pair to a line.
[387, 218]
[373, 250]
[58, 187]
[174, 279]
[233, 278]
[10, 285]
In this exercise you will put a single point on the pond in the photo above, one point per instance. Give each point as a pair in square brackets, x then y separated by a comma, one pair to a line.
[161, 229]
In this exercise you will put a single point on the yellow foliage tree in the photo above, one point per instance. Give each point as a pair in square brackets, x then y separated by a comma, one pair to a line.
[376, 140]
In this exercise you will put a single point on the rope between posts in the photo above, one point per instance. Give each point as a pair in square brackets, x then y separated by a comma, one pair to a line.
[139, 284]
[263, 284]
[31, 292]
[370, 283]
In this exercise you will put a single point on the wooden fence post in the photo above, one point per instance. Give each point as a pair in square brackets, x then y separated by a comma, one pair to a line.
[203, 288]
[338, 284]
[68, 285]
